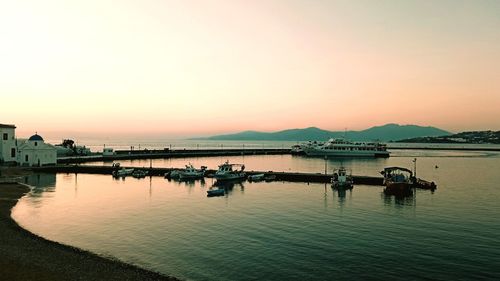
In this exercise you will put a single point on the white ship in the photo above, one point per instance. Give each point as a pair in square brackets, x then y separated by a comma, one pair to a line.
[345, 148]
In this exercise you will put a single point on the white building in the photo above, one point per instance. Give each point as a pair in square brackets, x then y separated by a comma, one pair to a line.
[8, 150]
[35, 152]
[31, 152]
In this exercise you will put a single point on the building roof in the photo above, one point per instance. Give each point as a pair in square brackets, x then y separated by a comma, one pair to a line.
[7, 126]
[25, 145]
[36, 137]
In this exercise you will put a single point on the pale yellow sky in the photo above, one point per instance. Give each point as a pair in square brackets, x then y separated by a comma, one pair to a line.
[201, 67]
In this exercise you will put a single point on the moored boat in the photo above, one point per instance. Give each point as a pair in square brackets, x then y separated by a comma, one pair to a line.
[191, 173]
[398, 180]
[174, 174]
[123, 172]
[270, 178]
[341, 180]
[139, 174]
[215, 192]
[256, 177]
[229, 171]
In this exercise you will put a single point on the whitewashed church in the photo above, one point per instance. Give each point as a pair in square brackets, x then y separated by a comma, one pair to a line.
[24, 152]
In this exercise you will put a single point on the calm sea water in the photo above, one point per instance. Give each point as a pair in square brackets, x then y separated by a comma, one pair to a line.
[281, 230]
[97, 144]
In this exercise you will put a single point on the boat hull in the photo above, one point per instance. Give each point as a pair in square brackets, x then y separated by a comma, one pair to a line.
[228, 177]
[191, 176]
[123, 172]
[398, 188]
[342, 185]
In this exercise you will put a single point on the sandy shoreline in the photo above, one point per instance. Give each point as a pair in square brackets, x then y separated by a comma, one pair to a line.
[25, 256]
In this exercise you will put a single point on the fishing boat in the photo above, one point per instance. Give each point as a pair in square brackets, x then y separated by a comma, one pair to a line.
[123, 172]
[229, 171]
[191, 173]
[398, 180]
[341, 180]
[344, 148]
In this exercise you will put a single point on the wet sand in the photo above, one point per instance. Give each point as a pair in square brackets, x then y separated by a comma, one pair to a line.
[25, 256]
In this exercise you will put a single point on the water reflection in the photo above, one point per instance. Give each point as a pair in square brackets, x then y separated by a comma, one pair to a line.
[229, 185]
[187, 182]
[191, 182]
[399, 199]
[41, 183]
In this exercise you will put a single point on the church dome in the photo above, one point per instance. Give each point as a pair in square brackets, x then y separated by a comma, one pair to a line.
[35, 137]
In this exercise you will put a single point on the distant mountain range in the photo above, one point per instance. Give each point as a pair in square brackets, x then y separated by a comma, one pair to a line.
[388, 132]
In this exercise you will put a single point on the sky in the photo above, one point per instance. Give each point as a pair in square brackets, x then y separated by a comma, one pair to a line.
[188, 68]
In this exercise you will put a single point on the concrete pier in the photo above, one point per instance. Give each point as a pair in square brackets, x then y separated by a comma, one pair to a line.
[166, 153]
[280, 176]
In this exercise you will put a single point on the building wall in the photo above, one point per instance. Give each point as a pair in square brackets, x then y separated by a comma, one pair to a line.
[7, 146]
[36, 153]
[37, 157]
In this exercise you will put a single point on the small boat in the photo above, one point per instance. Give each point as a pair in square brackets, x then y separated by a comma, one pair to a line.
[228, 171]
[123, 172]
[297, 150]
[191, 173]
[398, 180]
[256, 177]
[216, 192]
[139, 174]
[269, 178]
[174, 174]
[341, 180]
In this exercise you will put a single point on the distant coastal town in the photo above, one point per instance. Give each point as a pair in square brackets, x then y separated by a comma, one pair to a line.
[474, 137]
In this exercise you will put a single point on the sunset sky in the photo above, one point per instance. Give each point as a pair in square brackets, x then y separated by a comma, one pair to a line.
[186, 68]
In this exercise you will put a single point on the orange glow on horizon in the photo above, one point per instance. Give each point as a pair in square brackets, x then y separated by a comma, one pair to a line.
[198, 68]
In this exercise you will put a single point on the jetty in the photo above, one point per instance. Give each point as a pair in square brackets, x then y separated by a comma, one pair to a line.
[279, 176]
[168, 153]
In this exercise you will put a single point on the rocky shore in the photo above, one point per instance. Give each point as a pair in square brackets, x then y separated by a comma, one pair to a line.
[25, 256]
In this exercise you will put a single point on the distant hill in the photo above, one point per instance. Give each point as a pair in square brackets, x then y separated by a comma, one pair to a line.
[475, 137]
[388, 132]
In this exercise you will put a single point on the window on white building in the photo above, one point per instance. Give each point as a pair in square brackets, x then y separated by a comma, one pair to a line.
[5, 136]
[12, 152]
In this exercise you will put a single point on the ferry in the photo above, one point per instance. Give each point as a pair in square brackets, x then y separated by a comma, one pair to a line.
[346, 148]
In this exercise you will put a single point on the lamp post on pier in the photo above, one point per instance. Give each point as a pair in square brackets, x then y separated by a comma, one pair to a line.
[326, 163]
